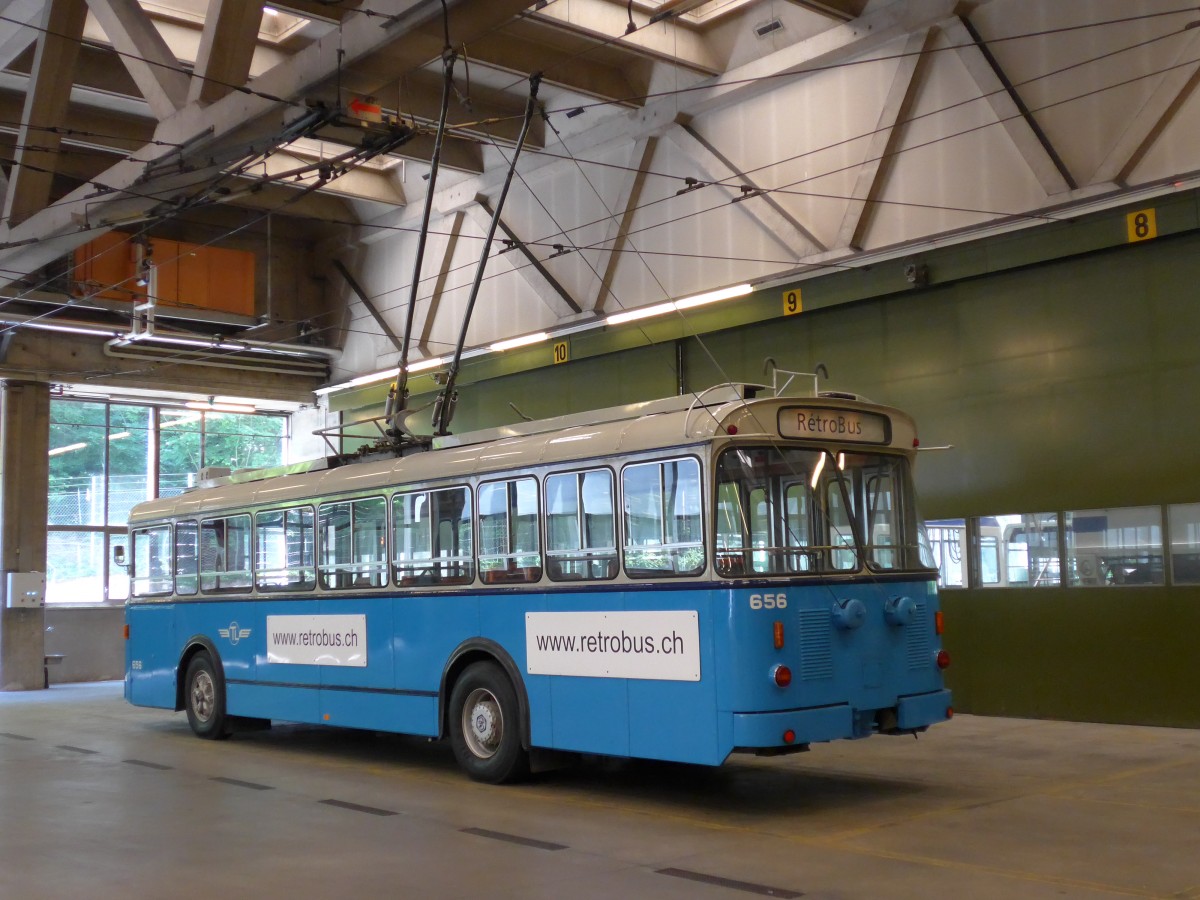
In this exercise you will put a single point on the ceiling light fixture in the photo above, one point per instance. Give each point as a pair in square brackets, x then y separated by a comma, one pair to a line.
[523, 341]
[658, 309]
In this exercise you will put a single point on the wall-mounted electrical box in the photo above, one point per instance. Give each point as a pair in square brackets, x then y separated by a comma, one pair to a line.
[26, 590]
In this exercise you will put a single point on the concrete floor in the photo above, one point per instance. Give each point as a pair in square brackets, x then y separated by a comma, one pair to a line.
[99, 799]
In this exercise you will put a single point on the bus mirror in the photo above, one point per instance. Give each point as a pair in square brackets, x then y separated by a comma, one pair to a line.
[119, 556]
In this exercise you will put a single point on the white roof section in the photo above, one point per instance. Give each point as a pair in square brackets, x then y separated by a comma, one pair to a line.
[675, 422]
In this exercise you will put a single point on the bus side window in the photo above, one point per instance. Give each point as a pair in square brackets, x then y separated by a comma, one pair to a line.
[187, 558]
[581, 539]
[212, 553]
[509, 545]
[663, 530]
[283, 549]
[225, 554]
[431, 537]
[353, 543]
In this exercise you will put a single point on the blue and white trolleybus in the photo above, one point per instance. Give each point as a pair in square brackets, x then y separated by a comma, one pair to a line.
[677, 579]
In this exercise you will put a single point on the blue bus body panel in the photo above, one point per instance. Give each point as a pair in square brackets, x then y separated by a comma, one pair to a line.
[844, 669]
[151, 655]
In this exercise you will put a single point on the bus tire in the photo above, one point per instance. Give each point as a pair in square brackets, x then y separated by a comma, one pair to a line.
[204, 698]
[485, 725]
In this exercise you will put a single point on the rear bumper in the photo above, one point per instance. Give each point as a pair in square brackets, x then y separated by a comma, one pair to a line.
[826, 723]
[831, 723]
[920, 710]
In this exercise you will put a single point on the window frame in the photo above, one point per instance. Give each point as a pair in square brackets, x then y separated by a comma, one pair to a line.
[260, 572]
[379, 565]
[246, 588]
[169, 577]
[510, 573]
[433, 563]
[636, 573]
[195, 573]
[582, 554]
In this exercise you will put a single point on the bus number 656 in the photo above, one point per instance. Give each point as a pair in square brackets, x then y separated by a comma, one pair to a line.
[768, 601]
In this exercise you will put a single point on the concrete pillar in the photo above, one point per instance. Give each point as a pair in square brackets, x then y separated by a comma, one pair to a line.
[24, 499]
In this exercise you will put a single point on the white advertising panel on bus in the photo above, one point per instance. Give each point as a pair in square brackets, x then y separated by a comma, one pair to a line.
[833, 425]
[317, 640]
[657, 646]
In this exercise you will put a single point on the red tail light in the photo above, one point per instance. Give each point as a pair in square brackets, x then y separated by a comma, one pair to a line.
[789, 737]
[939, 623]
[942, 659]
[783, 676]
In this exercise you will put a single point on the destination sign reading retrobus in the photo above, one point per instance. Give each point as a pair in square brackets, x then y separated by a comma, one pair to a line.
[833, 424]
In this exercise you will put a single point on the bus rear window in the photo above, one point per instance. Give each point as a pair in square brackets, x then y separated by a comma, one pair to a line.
[796, 511]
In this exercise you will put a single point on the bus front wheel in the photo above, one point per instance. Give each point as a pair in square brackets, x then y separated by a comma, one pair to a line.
[485, 726]
[204, 698]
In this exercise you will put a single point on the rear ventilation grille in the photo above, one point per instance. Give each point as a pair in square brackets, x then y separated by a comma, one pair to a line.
[816, 645]
[919, 649]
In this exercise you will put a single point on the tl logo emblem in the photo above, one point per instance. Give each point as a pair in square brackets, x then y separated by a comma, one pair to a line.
[234, 633]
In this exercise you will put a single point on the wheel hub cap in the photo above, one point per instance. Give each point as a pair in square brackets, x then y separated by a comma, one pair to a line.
[203, 696]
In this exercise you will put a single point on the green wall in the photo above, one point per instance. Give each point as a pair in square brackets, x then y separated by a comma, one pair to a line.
[1118, 654]
[1061, 363]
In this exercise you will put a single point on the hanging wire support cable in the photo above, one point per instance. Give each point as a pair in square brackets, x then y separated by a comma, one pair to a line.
[443, 410]
[398, 397]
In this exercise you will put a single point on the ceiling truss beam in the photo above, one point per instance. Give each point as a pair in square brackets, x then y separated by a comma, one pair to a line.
[226, 49]
[884, 140]
[144, 53]
[535, 274]
[621, 217]
[784, 228]
[45, 107]
[369, 304]
[1174, 85]
[19, 30]
[1031, 142]
[439, 285]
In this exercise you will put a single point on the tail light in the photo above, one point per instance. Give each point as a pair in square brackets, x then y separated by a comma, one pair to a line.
[783, 676]
[778, 633]
[939, 623]
[126, 631]
[942, 659]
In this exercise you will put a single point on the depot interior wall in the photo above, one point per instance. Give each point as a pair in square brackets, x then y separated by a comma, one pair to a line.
[1069, 383]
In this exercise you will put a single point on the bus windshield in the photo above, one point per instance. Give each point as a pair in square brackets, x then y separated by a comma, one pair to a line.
[792, 511]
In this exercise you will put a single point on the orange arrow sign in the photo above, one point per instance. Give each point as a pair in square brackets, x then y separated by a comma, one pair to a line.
[366, 109]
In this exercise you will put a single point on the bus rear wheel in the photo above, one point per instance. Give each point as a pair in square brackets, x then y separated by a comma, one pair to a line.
[485, 725]
[204, 698]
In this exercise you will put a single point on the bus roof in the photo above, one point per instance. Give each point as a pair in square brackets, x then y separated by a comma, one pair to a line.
[671, 422]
